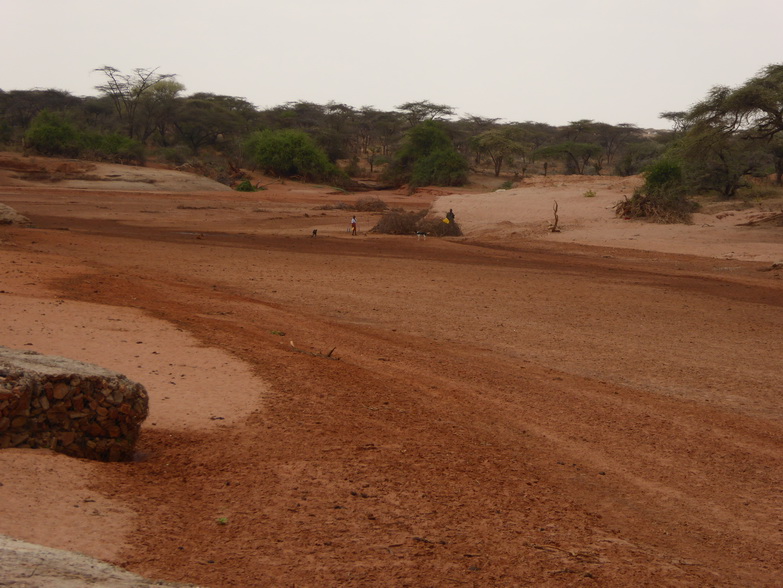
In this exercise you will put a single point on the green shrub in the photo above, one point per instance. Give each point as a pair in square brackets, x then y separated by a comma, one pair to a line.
[638, 156]
[662, 198]
[177, 155]
[291, 154]
[427, 157]
[443, 167]
[6, 132]
[245, 186]
[51, 134]
[353, 168]
[111, 147]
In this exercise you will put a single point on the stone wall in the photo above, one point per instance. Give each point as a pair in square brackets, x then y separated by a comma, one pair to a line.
[71, 407]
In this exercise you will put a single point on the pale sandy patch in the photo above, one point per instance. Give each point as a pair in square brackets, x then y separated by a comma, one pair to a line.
[191, 386]
[526, 212]
[45, 498]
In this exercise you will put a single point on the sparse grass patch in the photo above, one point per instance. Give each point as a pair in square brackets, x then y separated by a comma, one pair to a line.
[589, 194]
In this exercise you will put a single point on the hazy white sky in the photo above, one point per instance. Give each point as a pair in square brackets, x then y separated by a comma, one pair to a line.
[614, 61]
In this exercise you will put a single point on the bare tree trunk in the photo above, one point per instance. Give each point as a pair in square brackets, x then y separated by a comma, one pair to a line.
[554, 228]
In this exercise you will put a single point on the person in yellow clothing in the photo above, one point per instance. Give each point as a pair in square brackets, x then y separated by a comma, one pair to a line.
[353, 225]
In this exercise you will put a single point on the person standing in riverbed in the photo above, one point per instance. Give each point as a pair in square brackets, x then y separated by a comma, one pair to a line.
[353, 225]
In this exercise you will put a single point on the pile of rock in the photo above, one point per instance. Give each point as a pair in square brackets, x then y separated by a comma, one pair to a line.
[71, 407]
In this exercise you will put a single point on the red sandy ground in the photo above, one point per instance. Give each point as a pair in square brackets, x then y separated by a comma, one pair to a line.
[496, 411]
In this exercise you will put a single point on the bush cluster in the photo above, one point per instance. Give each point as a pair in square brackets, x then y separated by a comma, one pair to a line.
[52, 135]
[292, 154]
[401, 222]
[662, 198]
[111, 147]
[245, 186]
[428, 158]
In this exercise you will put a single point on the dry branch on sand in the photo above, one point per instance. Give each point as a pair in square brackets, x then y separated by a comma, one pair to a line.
[316, 353]
[554, 228]
[774, 219]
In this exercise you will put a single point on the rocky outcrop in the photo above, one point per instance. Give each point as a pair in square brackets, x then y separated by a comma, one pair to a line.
[72, 407]
[25, 565]
[8, 216]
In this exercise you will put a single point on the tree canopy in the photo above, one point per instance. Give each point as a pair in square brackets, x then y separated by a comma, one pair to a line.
[729, 136]
[733, 133]
[290, 153]
[427, 157]
[126, 91]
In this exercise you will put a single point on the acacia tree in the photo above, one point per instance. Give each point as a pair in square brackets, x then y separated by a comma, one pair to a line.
[424, 110]
[720, 161]
[202, 120]
[466, 129]
[579, 130]
[755, 108]
[127, 90]
[157, 110]
[499, 145]
[612, 138]
[638, 155]
[576, 155]
[733, 133]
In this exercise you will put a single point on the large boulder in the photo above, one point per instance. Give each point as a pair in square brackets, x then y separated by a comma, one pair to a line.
[72, 407]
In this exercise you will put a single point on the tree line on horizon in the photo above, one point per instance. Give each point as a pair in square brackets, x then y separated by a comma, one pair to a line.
[145, 113]
[716, 145]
